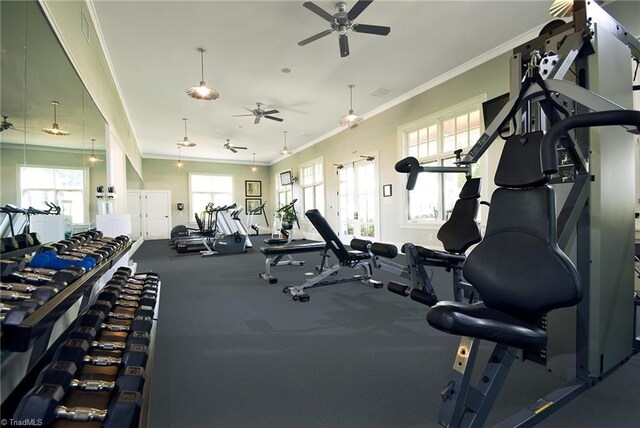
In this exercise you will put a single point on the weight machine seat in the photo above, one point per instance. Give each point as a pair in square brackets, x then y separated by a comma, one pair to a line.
[293, 249]
[518, 268]
[333, 241]
[476, 320]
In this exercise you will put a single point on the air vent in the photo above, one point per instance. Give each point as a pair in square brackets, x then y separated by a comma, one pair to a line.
[380, 92]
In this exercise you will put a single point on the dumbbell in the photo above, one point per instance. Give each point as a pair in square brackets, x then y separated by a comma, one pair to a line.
[50, 259]
[96, 319]
[112, 292]
[11, 269]
[8, 244]
[43, 404]
[89, 334]
[10, 293]
[64, 250]
[63, 373]
[75, 351]
[140, 275]
[18, 312]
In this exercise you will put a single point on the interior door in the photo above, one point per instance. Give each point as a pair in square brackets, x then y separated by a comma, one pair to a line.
[357, 201]
[157, 214]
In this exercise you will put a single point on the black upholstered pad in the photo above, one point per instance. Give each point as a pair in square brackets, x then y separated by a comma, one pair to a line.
[293, 249]
[327, 233]
[358, 255]
[518, 268]
[461, 230]
[476, 320]
[470, 189]
[520, 165]
[428, 253]
[276, 241]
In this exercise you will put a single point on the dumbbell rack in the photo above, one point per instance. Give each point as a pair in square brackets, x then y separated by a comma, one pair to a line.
[18, 338]
[27, 345]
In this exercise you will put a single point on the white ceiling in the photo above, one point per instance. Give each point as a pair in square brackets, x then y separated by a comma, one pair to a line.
[152, 46]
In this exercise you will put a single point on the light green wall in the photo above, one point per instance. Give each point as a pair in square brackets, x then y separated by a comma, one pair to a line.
[90, 62]
[12, 158]
[379, 136]
[160, 174]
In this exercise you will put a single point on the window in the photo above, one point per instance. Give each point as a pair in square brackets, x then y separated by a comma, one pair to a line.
[312, 183]
[284, 193]
[432, 141]
[205, 189]
[63, 187]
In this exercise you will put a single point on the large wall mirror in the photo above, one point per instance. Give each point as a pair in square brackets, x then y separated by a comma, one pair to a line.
[41, 91]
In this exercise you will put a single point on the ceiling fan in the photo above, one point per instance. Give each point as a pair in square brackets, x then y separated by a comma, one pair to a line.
[341, 21]
[5, 125]
[259, 113]
[233, 148]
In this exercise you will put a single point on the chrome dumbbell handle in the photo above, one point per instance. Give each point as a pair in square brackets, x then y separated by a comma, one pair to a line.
[92, 385]
[110, 346]
[84, 414]
[102, 361]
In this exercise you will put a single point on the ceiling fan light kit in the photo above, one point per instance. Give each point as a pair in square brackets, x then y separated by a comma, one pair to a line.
[202, 91]
[342, 22]
[55, 129]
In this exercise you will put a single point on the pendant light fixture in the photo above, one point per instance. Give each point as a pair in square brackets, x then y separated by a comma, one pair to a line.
[351, 119]
[285, 151]
[55, 129]
[185, 141]
[202, 91]
[93, 158]
[254, 168]
[179, 164]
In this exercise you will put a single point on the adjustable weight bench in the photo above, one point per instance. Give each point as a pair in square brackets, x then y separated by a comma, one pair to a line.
[351, 259]
[275, 254]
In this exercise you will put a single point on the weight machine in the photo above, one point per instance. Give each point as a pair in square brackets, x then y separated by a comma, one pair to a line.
[570, 70]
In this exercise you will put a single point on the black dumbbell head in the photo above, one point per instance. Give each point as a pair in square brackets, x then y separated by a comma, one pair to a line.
[138, 338]
[131, 378]
[83, 333]
[135, 355]
[124, 411]
[40, 404]
[91, 319]
[72, 350]
[58, 373]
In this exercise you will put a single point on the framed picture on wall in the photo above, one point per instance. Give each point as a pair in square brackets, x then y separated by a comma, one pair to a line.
[253, 188]
[251, 204]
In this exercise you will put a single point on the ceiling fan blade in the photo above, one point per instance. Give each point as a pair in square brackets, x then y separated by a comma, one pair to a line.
[343, 40]
[315, 37]
[318, 11]
[233, 149]
[239, 148]
[241, 115]
[358, 8]
[257, 120]
[248, 109]
[274, 118]
[270, 112]
[371, 29]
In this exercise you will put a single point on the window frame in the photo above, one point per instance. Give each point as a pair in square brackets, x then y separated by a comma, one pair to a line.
[192, 211]
[437, 118]
[314, 185]
[280, 189]
[85, 187]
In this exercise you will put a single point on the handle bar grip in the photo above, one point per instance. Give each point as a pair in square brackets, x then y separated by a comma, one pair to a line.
[397, 288]
[423, 297]
[411, 166]
[385, 250]
[548, 156]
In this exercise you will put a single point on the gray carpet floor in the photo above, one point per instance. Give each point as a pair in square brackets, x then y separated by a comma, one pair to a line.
[234, 351]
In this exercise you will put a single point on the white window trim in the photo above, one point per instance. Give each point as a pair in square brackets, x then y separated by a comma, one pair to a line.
[86, 191]
[319, 160]
[402, 132]
[192, 221]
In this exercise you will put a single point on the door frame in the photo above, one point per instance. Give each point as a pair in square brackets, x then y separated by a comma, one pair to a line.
[353, 161]
[143, 226]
